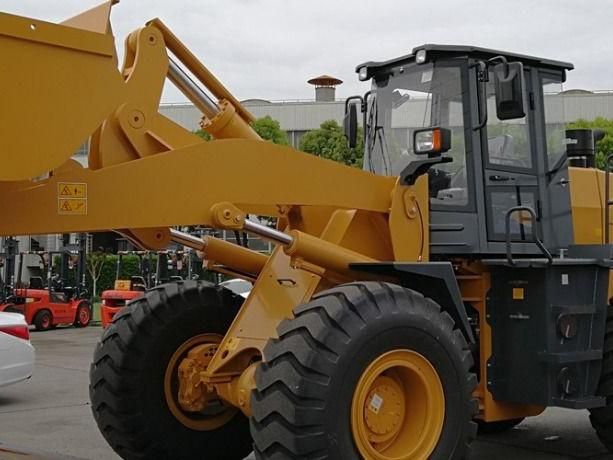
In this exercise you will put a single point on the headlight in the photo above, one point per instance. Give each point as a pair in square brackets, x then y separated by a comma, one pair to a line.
[424, 141]
[363, 73]
[431, 141]
[420, 57]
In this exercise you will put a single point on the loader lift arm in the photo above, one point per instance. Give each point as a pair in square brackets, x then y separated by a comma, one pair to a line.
[133, 147]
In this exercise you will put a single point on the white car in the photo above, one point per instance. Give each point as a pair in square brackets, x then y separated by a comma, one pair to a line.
[16, 351]
[238, 286]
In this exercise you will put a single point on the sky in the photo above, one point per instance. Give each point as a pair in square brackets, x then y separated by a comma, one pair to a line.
[268, 49]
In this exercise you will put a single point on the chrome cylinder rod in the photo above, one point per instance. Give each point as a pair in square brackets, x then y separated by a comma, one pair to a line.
[254, 228]
[191, 90]
[268, 233]
[187, 240]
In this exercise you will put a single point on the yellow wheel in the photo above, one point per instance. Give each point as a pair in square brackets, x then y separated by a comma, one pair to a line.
[365, 371]
[398, 408]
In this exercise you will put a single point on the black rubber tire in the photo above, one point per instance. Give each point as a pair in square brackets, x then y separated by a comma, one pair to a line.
[602, 417]
[40, 322]
[127, 375]
[498, 427]
[77, 322]
[302, 404]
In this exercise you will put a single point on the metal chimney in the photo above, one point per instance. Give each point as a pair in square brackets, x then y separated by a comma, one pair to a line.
[325, 87]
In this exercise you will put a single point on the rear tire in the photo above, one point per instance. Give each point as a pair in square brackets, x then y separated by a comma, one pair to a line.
[305, 407]
[83, 315]
[43, 320]
[127, 377]
[602, 417]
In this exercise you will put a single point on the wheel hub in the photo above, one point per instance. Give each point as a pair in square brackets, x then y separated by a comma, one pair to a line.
[193, 394]
[384, 411]
[194, 404]
[398, 408]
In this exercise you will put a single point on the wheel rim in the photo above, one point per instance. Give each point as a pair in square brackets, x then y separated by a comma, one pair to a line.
[46, 321]
[84, 315]
[398, 408]
[216, 414]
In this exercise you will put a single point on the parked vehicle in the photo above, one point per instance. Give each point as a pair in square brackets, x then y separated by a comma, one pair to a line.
[124, 290]
[16, 351]
[48, 306]
[238, 286]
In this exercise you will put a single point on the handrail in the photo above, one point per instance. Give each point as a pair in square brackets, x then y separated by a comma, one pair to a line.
[607, 201]
[535, 236]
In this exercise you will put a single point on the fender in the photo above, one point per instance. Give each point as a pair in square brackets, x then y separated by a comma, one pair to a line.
[435, 280]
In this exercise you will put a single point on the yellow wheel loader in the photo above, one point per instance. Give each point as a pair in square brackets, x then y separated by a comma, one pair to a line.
[461, 280]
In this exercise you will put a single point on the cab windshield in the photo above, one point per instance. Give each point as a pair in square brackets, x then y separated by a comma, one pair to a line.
[412, 97]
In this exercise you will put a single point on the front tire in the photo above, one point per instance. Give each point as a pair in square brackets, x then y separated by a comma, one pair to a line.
[365, 370]
[43, 321]
[131, 379]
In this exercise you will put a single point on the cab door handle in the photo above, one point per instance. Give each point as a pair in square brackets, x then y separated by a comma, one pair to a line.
[499, 178]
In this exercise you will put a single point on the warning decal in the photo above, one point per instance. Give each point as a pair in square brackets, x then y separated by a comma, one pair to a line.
[72, 206]
[71, 190]
[72, 198]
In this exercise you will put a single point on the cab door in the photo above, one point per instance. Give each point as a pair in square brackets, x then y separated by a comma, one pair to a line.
[510, 170]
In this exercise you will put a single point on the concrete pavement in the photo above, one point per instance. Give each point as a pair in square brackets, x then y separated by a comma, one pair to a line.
[51, 412]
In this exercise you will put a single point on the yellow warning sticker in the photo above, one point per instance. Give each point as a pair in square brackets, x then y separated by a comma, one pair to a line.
[71, 190]
[75, 206]
[72, 198]
[518, 294]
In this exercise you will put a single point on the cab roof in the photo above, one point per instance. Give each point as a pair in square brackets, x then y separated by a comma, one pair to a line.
[451, 51]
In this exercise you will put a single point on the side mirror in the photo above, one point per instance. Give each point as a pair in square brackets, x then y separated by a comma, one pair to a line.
[350, 124]
[508, 81]
[431, 141]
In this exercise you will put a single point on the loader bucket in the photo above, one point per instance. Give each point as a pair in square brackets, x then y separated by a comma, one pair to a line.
[59, 83]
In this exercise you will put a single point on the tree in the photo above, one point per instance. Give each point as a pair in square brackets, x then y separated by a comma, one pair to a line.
[605, 146]
[95, 263]
[270, 130]
[330, 142]
[203, 134]
[266, 127]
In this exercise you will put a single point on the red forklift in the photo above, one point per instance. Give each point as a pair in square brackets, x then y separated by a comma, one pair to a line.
[47, 303]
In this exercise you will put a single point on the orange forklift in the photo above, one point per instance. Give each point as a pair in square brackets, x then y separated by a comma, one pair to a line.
[169, 266]
[125, 290]
[47, 306]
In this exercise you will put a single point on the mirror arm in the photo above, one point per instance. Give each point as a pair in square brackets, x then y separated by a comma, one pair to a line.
[354, 98]
[504, 61]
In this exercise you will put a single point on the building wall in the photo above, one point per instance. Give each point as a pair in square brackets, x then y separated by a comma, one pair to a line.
[298, 117]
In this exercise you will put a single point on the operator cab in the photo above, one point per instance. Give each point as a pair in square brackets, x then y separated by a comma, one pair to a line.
[505, 124]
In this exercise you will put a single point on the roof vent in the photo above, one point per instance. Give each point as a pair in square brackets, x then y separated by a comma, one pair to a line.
[325, 87]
